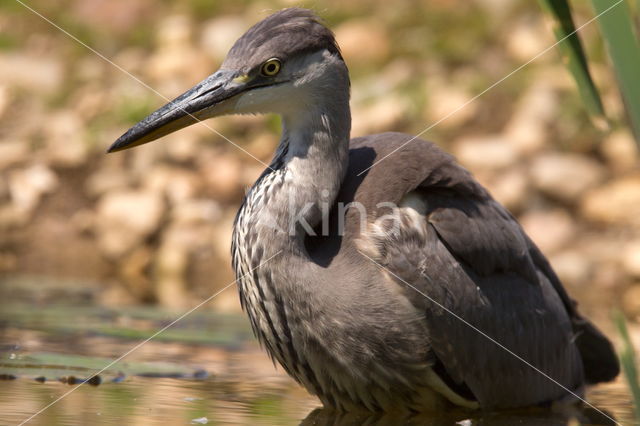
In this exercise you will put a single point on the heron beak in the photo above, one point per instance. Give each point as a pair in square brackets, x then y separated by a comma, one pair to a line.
[211, 97]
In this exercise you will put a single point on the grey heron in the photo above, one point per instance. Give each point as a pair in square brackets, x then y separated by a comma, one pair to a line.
[442, 301]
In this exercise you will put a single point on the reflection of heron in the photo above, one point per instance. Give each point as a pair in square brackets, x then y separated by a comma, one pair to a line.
[350, 314]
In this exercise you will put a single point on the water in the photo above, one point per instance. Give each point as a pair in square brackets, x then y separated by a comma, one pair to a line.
[207, 369]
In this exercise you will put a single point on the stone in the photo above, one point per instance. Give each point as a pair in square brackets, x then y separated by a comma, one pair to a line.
[621, 151]
[12, 217]
[13, 152]
[510, 188]
[250, 174]
[90, 102]
[5, 98]
[133, 272]
[449, 105]
[528, 37]
[631, 301]
[354, 34]
[176, 62]
[490, 152]
[106, 179]
[125, 218]
[565, 176]
[631, 259]
[34, 73]
[572, 267]
[262, 146]
[527, 129]
[28, 185]
[196, 211]
[112, 18]
[65, 141]
[219, 34]
[171, 265]
[222, 234]
[617, 202]
[551, 230]
[177, 184]
[221, 176]
[379, 116]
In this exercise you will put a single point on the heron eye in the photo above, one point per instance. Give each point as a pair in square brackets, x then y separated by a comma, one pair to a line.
[271, 67]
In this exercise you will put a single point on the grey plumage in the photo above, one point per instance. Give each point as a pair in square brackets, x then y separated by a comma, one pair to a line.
[351, 315]
[285, 34]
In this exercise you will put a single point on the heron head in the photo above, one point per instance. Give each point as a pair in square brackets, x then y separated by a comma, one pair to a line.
[283, 64]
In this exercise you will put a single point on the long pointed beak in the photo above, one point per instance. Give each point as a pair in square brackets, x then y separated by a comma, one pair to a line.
[210, 97]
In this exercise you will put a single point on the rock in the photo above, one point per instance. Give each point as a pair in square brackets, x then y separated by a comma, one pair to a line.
[5, 99]
[83, 221]
[262, 146]
[527, 38]
[13, 152]
[8, 261]
[550, 230]
[90, 102]
[389, 79]
[219, 34]
[28, 185]
[449, 105]
[222, 234]
[607, 276]
[631, 259]
[176, 59]
[34, 73]
[195, 212]
[617, 202]
[177, 184]
[491, 152]
[116, 295]
[106, 179]
[133, 273]
[132, 59]
[174, 31]
[65, 140]
[125, 218]
[172, 262]
[185, 145]
[221, 176]
[621, 151]
[565, 176]
[112, 18]
[631, 301]
[380, 116]
[353, 35]
[510, 188]
[250, 174]
[90, 68]
[12, 217]
[497, 9]
[527, 128]
[572, 267]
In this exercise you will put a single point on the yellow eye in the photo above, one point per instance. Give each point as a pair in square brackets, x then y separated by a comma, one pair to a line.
[271, 67]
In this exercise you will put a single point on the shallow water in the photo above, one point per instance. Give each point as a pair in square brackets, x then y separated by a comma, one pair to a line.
[207, 369]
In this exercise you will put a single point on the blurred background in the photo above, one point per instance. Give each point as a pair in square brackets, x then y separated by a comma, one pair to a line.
[152, 226]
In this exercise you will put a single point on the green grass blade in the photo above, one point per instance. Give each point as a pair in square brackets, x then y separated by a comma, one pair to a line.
[628, 361]
[573, 55]
[618, 32]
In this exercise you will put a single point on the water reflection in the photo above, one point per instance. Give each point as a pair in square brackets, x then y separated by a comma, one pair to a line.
[242, 386]
[532, 417]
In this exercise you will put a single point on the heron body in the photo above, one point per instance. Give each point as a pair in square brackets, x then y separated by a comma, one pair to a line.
[406, 287]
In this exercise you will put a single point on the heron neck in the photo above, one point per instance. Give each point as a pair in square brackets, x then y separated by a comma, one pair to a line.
[297, 193]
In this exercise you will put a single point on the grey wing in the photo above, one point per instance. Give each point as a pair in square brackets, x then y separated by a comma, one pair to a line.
[496, 323]
[469, 254]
